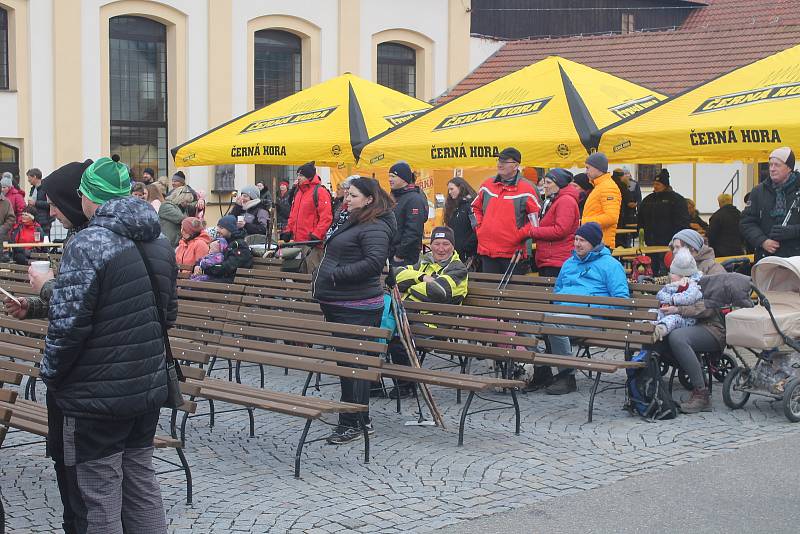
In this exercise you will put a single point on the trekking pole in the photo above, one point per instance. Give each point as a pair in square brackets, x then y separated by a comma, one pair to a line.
[299, 244]
[512, 265]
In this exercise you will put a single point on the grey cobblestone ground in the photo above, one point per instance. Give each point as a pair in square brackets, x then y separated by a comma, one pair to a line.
[417, 479]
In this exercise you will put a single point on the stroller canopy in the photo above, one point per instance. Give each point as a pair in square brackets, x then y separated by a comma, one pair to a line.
[777, 274]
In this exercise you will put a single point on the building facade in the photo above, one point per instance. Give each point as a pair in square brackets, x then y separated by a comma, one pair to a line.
[87, 78]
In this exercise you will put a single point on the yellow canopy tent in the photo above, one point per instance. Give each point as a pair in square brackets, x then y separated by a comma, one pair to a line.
[321, 124]
[551, 111]
[740, 116]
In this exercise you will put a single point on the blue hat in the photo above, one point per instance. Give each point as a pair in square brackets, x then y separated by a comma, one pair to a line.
[228, 222]
[591, 232]
[403, 170]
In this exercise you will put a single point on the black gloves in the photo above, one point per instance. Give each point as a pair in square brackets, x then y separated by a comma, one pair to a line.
[784, 233]
[286, 236]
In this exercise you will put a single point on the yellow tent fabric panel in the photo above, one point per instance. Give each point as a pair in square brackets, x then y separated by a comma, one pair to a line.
[548, 110]
[740, 116]
[317, 124]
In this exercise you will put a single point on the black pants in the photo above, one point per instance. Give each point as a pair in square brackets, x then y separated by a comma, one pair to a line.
[109, 469]
[499, 265]
[356, 391]
[55, 450]
[549, 271]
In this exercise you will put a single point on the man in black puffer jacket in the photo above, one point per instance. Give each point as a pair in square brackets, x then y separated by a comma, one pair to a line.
[411, 212]
[104, 354]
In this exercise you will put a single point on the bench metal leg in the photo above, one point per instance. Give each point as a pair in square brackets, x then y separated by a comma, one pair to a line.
[366, 442]
[188, 473]
[516, 409]
[593, 393]
[300, 448]
[261, 371]
[464, 414]
[307, 383]
[211, 365]
[252, 422]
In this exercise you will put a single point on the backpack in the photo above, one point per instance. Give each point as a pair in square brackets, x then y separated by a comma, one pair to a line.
[316, 196]
[646, 394]
[642, 266]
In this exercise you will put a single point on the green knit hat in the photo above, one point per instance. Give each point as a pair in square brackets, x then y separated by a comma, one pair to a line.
[105, 179]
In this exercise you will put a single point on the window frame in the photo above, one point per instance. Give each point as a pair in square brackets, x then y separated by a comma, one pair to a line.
[161, 92]
[5, 60]
[411, 86]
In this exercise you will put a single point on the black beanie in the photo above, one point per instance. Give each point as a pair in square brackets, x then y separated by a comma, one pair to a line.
[403, 170]
[582, 180]
[560, 177]
[179, 177]
[662, 177]
[61, 188]
[308, 170]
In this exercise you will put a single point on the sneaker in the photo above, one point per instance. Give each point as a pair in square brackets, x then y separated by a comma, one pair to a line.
[344, 434]
[403, 392]
[563, 385]
[699, 401]
[542, 377]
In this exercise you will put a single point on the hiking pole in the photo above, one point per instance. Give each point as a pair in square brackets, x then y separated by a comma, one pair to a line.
[512, 265]
[404, 330]
[299, 244]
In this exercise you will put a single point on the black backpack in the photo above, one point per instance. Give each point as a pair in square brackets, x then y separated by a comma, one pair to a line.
[646, 393]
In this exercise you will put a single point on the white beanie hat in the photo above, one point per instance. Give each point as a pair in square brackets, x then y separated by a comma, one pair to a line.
[683, 263]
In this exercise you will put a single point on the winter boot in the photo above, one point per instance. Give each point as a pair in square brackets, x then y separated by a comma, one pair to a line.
[699, 401]
[542, 377]
[564, 383]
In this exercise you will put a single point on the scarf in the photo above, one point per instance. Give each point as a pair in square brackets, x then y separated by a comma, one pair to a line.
[779, 210]
[548, 201]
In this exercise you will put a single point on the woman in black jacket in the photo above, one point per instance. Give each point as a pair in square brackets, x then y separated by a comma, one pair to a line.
[458, 216]
[283, 205]
[250, 206]
[348, 286]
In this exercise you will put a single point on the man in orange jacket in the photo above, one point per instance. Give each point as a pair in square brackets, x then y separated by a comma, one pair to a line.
[604, 202]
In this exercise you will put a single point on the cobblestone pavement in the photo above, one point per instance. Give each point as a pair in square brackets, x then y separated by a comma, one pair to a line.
[417, 479]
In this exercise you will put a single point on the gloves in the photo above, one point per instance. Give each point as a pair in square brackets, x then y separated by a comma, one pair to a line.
[784, 233]
[286, 236]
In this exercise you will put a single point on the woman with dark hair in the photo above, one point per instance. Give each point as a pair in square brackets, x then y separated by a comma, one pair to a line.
[348, 285]
[458, 216]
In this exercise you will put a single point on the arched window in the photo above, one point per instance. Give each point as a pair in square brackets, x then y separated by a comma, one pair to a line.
[138, 92]
[278, 66]
[277, 70]
[397, 67]
[3, 49]
[9, 159]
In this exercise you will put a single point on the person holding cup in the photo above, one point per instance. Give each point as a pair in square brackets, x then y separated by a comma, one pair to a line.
[250, 212]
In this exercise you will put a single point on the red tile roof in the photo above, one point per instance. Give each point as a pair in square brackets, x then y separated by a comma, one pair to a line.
[670, 61]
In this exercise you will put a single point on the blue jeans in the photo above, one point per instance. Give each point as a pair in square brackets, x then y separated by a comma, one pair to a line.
[561, 344]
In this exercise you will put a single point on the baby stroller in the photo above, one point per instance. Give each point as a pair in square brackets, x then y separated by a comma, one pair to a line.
[763, 330]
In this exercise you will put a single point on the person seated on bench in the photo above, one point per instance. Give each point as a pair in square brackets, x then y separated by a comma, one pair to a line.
[235, 256]
[439, 276]
[591, 270]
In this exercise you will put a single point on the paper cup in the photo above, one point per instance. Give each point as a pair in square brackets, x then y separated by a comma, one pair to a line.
[240, 218]
[40, 266]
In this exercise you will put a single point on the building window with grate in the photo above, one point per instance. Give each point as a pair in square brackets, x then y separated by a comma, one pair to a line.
[138, 77]
[3, 49]
[397, 67]
[646, 174]
[277, 73]
[628, 23]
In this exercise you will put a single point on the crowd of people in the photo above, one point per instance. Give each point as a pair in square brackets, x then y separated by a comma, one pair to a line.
[125, 236]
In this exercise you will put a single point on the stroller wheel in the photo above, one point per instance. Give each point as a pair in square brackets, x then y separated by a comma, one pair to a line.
[683, 377]
[722, 366]
[791, 400]
[734, 399]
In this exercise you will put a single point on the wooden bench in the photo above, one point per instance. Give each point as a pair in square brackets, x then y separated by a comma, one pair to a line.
[31, 417]
[7, 398]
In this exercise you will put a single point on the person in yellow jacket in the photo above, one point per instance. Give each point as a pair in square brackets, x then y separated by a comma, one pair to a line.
[604, 202]
[439, 276]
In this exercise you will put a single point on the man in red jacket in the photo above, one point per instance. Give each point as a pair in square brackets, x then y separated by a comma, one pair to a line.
[501, 210]
[311, 214]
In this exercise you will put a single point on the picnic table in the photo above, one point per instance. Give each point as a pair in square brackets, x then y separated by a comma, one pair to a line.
[33, 245]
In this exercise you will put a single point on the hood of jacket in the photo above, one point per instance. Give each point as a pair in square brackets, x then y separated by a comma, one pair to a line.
[410, 188]
[705, 253]
[202, 236]
[129, 217]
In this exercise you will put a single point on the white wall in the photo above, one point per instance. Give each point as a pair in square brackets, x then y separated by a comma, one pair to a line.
[711, 180]
[480, 49]
[8, 112]
[41, 145]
